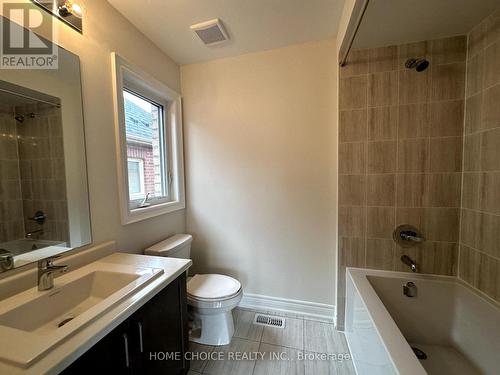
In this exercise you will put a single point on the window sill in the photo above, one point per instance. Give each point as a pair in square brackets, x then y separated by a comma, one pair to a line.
[139, 214]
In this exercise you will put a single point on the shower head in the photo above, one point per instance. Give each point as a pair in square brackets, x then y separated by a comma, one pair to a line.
[419, 64]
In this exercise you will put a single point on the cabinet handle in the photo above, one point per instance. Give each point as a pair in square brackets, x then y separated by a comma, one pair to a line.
[125, 345]
[141, 346]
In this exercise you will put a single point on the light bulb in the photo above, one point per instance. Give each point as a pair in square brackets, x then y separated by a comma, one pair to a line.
[70, 8]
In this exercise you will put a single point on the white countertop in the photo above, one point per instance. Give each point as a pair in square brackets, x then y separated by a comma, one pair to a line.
[68, 351]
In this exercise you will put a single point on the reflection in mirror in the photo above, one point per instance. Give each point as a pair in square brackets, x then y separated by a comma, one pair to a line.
[43, 180]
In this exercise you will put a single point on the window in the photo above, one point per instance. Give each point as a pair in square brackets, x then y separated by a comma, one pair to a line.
[146, 143]
[149, 140]
[136, 178]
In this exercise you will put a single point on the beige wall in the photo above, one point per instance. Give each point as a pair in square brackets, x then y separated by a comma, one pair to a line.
[105, 30]
[479, 263]
[260, 154]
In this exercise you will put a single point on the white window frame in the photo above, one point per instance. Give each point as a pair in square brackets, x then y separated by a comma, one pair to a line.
[141, 193]
[127, 76]
[165, 140]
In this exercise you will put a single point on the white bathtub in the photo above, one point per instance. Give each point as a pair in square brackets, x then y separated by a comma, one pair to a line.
[25, 251]
[26, 245]
[457, 327]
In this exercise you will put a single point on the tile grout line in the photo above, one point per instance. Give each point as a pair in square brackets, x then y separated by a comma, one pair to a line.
[365, 209]
[466, 89]
[394, 247]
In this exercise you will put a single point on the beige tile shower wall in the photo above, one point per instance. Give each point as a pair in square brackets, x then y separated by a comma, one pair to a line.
[400, 156]
[43, 181]
[11, 204]
[479, 263]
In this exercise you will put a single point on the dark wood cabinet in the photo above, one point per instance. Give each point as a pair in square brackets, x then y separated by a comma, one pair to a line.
[152, 341]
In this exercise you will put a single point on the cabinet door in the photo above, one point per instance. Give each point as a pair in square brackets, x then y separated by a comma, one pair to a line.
[161, 327]
[110, 355]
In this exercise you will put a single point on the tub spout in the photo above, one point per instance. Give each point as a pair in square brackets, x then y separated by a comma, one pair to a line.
[409, 262]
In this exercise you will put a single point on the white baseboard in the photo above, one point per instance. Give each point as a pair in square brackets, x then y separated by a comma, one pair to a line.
[289, 307]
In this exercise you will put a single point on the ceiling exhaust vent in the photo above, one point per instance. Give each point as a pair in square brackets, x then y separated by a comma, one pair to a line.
[210, 32]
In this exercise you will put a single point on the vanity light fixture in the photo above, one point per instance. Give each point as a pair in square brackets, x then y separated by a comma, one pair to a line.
[70, 8]
[68, 11]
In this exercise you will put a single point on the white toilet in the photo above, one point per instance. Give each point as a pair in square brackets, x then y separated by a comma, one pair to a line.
[211, 297]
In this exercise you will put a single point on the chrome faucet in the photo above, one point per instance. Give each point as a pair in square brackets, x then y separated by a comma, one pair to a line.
[34, 234]
[409, 262]
[46, 270]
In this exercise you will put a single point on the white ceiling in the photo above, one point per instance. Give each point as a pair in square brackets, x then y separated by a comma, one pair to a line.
[389, 22]
[253, 25]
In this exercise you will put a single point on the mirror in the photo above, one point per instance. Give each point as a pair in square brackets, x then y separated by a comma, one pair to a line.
[44, 206]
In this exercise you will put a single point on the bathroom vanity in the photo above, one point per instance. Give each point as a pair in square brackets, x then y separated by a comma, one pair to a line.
[143, 343]
[128, 315]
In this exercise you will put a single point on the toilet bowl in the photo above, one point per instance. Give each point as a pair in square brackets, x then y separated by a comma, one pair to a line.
[211, 297]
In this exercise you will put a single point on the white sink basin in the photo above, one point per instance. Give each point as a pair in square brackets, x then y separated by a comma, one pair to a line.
[45, 313]
[32, 322]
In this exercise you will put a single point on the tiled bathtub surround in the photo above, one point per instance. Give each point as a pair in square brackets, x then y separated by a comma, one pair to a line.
[11, 204]
[32, 175]
[43, 181]
[479, 263]
[400, 156]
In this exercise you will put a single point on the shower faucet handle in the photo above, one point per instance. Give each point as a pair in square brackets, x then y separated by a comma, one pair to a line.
[407, 236]
[39, 217]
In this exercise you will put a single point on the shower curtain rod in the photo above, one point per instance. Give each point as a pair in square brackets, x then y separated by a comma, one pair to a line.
[29, 97]
[359, 9]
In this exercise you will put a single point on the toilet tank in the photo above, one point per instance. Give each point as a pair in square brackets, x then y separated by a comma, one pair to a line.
[177, 246]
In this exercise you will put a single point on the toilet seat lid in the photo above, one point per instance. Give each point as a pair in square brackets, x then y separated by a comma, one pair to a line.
[212, 286]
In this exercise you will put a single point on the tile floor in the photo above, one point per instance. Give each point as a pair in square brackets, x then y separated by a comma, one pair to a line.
[304, 347]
